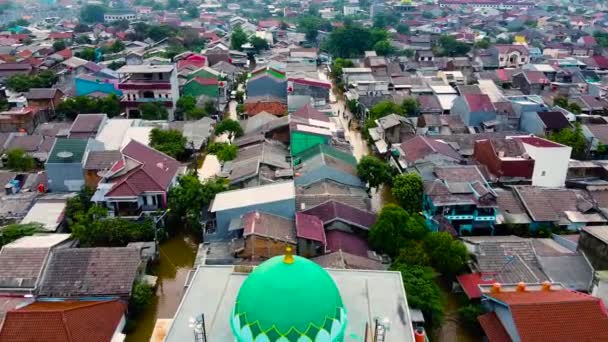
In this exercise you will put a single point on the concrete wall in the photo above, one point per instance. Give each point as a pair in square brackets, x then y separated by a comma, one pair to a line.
[595, 250]
[550, 165]
[529, 122]
[284, 208]
[64, 177]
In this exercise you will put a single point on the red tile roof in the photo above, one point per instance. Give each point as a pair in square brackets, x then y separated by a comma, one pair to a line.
[420, 147]
[479, 102]
[63, 322]
[60, 35]
[470, 284]
[557, 315]
[155, 173]
[538, 142]
[601, 61]
[65, 53]
[206, 81]
[310, 112]
[310, 227]
[332, 210]
[309, 82]
[493, 328]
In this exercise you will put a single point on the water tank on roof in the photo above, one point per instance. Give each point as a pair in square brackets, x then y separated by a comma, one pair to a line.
[65, 155]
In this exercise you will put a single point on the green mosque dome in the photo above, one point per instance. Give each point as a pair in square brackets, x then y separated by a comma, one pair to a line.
[288, 299]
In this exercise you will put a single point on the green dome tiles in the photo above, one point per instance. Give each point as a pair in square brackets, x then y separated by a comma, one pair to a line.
[288, 302]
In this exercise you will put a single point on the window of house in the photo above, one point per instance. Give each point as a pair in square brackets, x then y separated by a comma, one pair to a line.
[543, 174]
[502, 59]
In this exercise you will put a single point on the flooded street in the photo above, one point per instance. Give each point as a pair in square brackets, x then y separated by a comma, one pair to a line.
[451, 330]
[176, 259]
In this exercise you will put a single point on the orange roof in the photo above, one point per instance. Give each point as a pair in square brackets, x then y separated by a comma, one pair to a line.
[558, 315]
[67, 321]
[493, 328]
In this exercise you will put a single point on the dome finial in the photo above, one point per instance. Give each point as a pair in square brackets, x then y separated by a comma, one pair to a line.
[288, 259]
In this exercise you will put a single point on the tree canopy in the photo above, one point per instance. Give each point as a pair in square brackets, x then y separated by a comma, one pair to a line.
[573, 138]
[422, 292]
[23, 83]
[18, 160]
[71, 107]
[353, 40]
[232, 127]
[394, 228]
[170, 142]
[384, 108]
[153, 111]
[259, 44]
[238, 38]
[407, 190]
[92, 14]
[186, 199]
[94, 229]
[223, 151]
[374, 171]
[59, 45]
[311, 25]
[15, 231]
[449, 46]
[448, 255]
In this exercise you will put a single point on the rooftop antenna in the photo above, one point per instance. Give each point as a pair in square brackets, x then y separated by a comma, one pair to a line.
[198, 327]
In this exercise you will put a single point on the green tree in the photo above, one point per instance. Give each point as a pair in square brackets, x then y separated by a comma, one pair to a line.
[259, 44]
[116, 46]
[23, 83]
[352, 40]
[92, 14]
[195, 114]
[153, 111]
[407, 190]
[402, 29]
[59, 45]
[223, 151]
[422, 292]
[141, 296]
[71, 107]
[573, 138]
[337, 66]
[15, 231]
[483, 44]
[238, 38]
[448, 255]
[427, 15]
[413, 253]
[383, 48]
[449, 46]
[384, 108]
[185, 103]
[467, 316]
[87, 53]
[18, 160]
[209, 107]
[410, 106]
[188, 197]
[561, 101]
[159, 32]
[394, 228]
[79, 204]
[374, 171]
[309, 25]
[172, 4]
[170, 142]
[193, 11]
[232, 127]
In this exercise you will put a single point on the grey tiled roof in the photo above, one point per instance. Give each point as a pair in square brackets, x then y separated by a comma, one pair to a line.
[21, 267]
[320, 192]
[90, 272]
[509, 258]
[101, 160]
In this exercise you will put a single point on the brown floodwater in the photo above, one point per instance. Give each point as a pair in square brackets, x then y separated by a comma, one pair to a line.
[451, 330]
[176, 259]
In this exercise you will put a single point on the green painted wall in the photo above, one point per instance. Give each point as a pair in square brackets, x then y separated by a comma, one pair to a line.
[196, 89]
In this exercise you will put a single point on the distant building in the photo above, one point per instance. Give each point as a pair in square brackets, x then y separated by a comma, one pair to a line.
[148, 83]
